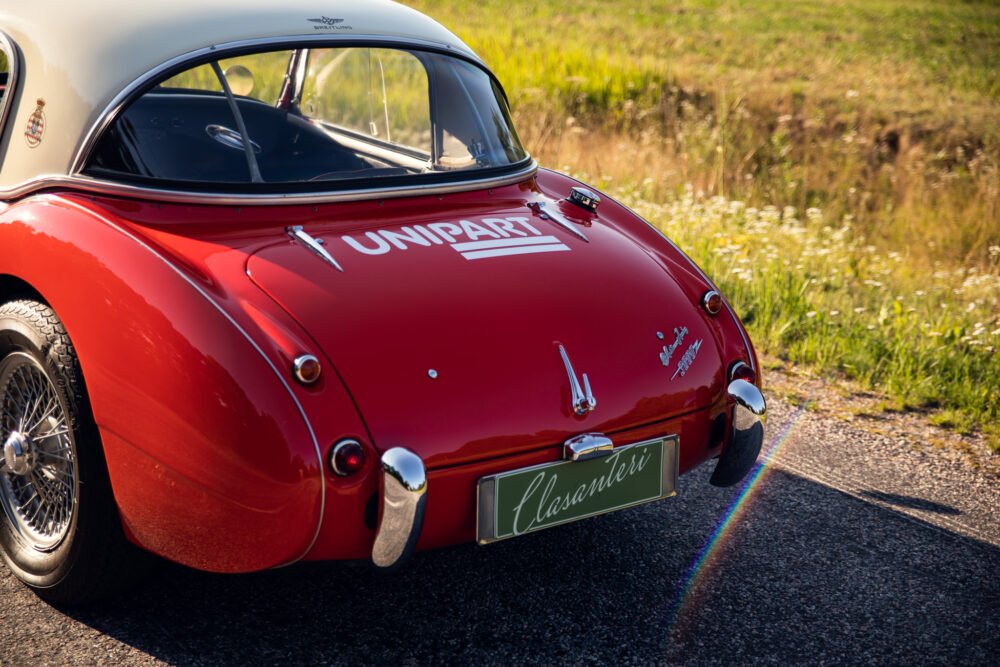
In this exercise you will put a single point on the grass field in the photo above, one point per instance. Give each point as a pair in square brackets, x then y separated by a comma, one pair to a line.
[834, 165]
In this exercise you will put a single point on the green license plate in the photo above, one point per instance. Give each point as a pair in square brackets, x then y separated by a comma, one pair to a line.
[523, 501]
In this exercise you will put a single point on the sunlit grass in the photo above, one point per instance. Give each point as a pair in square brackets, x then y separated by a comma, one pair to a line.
[811, 292]
[877, 120]
[882, 109]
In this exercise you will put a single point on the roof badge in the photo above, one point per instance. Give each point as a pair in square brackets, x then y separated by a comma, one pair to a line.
[327, 23]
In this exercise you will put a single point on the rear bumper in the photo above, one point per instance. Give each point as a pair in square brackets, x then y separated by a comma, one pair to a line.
[747, 434]
[441, 511]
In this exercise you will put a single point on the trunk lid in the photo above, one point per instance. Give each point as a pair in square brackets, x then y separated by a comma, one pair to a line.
[445, 322]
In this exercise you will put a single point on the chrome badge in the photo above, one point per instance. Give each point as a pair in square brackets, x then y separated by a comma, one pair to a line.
[668, 350]
[582, 400]
[689, 355]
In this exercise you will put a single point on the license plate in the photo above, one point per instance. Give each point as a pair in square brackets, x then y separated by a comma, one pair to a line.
[523, 501]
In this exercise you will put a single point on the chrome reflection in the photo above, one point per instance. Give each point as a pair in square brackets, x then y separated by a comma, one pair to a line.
[297, 233]
[404, 487]
[747, 434]
[587, 446]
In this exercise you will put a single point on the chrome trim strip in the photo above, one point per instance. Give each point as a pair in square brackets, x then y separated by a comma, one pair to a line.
[13, 78]
[404, 487]
[486, 510]
[110, 188]
[315, 245]
[112, 110]
[253, 343]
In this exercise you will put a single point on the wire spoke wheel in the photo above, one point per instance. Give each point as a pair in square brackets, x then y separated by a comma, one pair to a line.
[39, 475]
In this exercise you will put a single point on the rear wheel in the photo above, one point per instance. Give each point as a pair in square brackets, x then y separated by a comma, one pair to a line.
[59, 527]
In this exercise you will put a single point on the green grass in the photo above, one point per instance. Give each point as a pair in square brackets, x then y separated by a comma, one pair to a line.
[878, 121]
[811, 292]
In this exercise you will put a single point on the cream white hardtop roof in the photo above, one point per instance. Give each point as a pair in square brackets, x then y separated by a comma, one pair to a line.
[79, 55]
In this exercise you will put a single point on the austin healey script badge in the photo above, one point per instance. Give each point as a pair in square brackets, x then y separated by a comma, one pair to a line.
[689, 355]
[36, 125]
[668, 351]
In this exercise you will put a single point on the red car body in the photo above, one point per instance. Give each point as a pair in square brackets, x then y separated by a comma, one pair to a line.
[188, 316]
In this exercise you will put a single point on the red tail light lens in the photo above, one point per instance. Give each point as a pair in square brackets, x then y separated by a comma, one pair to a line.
[742, 371]
[712, 302]
[347, 457]
[306, 369]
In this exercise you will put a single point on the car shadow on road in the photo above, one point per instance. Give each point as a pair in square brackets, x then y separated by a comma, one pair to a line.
[911, 502]
[801, 573]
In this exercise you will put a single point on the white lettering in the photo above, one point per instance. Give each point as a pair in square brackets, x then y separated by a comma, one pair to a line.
[535, 483]
[429, 234]
[502, 227]
[404, 235]
[474, 231]
[381, 247]
[446, 230]
[524, 223]
[545, 497]
[548, 505]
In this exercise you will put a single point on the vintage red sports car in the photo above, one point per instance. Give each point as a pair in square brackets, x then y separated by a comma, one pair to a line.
[279, 282]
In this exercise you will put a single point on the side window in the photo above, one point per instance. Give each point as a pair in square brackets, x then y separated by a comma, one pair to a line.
[381, 94]
[8, 80]
[4, 75]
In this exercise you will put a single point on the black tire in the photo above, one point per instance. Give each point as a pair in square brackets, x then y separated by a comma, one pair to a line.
[88, 557]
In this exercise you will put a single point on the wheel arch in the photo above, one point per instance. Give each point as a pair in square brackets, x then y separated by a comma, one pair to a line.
[135, 319]
[13, 288]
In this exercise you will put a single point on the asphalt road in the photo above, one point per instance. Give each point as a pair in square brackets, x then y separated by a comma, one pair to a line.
[850, 548]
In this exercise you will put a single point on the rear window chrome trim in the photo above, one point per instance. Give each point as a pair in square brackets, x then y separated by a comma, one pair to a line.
[116, 189]
[229, 49]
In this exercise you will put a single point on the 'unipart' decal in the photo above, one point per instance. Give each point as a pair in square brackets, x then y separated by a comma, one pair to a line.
[490, 237]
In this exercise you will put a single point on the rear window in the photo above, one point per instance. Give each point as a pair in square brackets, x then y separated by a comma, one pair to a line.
[314, 117]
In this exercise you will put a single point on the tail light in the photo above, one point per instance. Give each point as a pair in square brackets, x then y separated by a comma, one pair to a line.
[347, 457]
[712, 302]
[742, 371]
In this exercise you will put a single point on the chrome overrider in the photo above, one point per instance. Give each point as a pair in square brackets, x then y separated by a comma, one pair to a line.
[401, 517]
[587, 446]
[747, 434]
